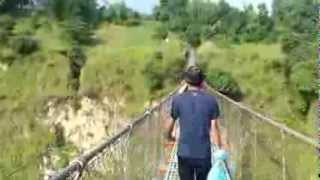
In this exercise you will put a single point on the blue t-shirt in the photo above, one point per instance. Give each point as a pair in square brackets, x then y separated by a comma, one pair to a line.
[195, 109]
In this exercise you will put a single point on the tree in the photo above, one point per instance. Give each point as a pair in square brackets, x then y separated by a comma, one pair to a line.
[11, 5]
[85, 10]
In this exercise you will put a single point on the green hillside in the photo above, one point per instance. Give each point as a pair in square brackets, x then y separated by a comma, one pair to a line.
[71, 49]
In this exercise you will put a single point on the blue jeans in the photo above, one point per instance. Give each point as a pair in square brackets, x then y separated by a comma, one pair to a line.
[193, 169]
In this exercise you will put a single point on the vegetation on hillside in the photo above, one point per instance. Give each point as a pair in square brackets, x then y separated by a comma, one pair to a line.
[66, 48]
[292, 24]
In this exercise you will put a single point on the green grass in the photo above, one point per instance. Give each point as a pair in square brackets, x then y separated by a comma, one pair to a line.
[116, 64]
[23, 87]
[114, 68]
[263, 85]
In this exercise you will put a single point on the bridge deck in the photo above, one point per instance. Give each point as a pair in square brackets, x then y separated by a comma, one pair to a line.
[172, 171]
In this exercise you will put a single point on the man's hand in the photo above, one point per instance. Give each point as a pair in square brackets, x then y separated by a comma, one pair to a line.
[215, 133]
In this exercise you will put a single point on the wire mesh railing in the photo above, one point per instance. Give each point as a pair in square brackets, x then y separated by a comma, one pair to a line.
[260, 148]
[134, 153]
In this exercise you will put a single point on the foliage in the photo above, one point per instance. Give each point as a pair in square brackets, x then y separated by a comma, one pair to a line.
[200, 19]
[25, 45]
[159, 71]
[77, 60]
[119, 13]
[12, 5]
[153, 71]
[85, 10]
[79, 17]
[193, 35]
[224, 83]
[298, 16]
[78, 30]
[7, 24]
[161, 32]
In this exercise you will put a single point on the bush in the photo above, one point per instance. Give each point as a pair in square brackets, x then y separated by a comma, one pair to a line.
[158, 72]
[153, 72]
[289, 42]
[7, 56]
[224, 83]
[77, 60]
[193, 35]
[24, 45]
[303, 79]
[178, 24]
[173, 69]
[7, 22]
[79, 31]
[4, 35]
[133, 22]
[161, 32]
[209, 32]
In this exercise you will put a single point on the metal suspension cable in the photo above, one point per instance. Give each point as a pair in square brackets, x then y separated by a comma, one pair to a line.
[272, 122]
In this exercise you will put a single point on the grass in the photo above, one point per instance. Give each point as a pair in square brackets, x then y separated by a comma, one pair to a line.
[116, 64]
[114, 67]
[25, 84]
[254, 68]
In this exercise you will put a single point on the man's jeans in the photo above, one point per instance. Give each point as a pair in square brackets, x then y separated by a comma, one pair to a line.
[193, 169]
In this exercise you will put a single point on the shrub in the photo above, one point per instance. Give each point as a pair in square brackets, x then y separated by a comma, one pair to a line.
[161, 32]
[133, 22]
[289, 42]
[303, 80]
[4, 35]
[154, 74]
[7, 56]
[159, 72]
[173, 69]
[24, 45]
[224, 83]
[77, 60]
[7, 22]
[178, 24]
[209, 32]
[193, 35]
[79, 31]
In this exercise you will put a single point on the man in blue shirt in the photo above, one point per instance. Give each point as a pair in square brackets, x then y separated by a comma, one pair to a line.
[198, 114]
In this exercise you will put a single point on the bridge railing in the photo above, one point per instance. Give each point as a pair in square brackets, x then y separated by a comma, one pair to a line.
[133, 153]
[262, 148]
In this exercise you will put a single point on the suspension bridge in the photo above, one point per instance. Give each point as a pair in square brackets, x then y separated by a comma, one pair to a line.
[260, 147]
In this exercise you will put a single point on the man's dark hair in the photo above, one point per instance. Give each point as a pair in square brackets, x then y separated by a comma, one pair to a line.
[194, 76]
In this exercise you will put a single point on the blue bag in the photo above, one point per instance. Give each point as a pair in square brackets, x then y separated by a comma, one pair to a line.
[218, 170]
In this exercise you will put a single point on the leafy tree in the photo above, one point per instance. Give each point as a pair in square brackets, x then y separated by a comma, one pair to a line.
[119, 13]
[11, 5]
[79, 17]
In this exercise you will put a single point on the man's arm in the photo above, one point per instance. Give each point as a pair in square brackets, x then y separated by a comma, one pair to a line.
[215, 133]
[169, 129]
